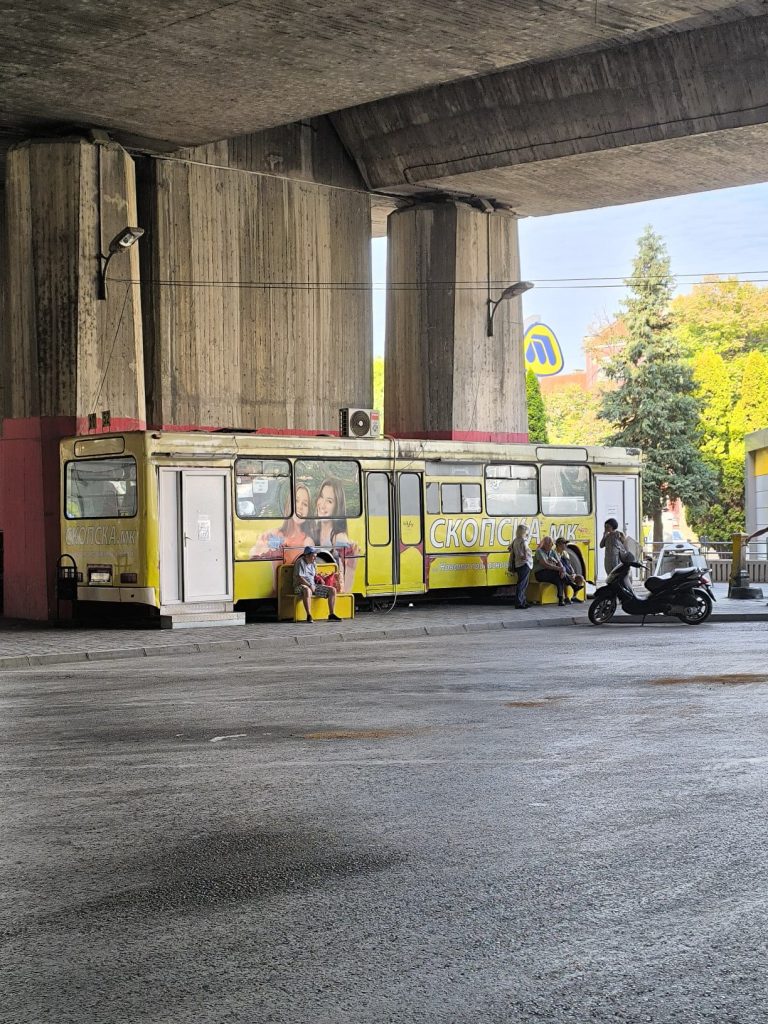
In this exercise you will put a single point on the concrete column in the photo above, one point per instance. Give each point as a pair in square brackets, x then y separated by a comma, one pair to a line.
[258, 299]
[66, 355]
[445, 378]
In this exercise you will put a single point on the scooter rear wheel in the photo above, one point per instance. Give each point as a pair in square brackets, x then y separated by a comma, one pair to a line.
[602, 610]
[698, 612]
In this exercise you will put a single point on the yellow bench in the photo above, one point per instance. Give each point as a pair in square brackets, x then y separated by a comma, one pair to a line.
[542, 593]
[290, 607]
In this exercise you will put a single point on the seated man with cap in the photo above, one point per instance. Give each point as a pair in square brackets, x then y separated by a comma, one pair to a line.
[307, 584]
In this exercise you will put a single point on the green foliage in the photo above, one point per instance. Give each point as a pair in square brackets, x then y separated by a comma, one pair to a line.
[573, 416]
[730, 317]
[722, 518]
[537, 414]
[654, 406]
[716, 398]
[378, 387]
[751, 410]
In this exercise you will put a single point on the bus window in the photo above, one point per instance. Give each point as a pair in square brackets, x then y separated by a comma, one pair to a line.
[333, 486]
[379, 525]
[433, 499]
[565, 490]
[410, 508]
[510, 490]
[100, 489]
[453, 469]
[457, 498]
[263, 488]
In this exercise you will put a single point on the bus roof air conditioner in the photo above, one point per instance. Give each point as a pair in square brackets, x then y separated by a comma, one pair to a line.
[359, 423]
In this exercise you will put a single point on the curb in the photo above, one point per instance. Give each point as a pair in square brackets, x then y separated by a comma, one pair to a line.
[333, 638]
[318, 639]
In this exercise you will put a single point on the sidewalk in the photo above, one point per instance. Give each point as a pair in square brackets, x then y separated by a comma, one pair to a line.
[24, 645]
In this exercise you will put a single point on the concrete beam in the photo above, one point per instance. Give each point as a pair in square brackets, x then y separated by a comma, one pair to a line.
[187, 72]
[500, 135]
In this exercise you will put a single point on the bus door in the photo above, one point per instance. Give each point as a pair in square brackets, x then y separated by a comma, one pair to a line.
[410, 532]
[380, 561]
[195, 540]
[394, 523]
[616, 498]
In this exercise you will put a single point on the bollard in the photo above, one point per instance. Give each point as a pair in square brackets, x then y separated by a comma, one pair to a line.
[739, 583]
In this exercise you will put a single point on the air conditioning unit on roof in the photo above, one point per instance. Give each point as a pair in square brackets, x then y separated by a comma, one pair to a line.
[359, 423]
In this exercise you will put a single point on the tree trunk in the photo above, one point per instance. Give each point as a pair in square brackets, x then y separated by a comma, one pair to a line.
[658, 526]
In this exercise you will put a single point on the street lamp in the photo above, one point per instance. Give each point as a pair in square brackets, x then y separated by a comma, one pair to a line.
[122, 241]
[511, 292]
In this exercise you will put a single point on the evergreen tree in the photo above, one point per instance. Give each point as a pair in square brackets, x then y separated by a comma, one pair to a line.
[654, 406]
[537, 414]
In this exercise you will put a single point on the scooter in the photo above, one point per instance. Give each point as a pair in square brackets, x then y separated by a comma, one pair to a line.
[685, 594]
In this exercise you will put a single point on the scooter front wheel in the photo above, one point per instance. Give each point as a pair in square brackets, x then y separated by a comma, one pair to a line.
[602, 610]
[698, 612]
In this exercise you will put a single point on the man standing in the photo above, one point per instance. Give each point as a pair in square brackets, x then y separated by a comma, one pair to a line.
[306, 584]
[613, 542]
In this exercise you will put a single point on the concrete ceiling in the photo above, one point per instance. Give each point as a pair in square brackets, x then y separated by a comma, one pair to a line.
[187, 72]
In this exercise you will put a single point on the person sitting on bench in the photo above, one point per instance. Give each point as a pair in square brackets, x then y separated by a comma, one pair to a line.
[308, 584]
[547, 568]
[574, 580]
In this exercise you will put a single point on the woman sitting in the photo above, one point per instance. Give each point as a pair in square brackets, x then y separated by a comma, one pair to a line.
[547, 568]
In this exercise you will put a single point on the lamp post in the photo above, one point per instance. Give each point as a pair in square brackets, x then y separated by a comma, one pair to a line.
[122, 241]
[510, 292]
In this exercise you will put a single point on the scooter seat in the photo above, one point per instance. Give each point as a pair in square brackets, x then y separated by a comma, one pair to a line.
[656, 583]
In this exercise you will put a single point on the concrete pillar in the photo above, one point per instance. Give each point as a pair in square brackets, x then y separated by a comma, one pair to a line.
[258, 299]
[66, 355]
[445, 378]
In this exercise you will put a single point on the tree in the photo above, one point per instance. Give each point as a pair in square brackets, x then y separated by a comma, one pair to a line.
[717, 394]
[378, 388]
[751, 410]
[573, 416]
[654, 406]
[728, 316]
[537, 414]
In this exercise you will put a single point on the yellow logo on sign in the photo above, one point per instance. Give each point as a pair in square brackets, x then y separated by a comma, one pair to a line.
[542, 351]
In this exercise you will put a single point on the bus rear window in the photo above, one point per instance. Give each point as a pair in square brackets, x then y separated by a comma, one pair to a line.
[100, 489]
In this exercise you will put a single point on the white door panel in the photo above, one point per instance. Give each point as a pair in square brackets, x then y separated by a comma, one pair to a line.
[205, 518]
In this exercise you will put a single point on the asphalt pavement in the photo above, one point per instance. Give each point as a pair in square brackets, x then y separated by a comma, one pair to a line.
[501, 826]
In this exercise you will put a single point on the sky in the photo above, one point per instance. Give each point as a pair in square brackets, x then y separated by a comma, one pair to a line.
[723, 232]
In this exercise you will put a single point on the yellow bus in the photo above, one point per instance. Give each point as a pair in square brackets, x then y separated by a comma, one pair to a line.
[171, 520]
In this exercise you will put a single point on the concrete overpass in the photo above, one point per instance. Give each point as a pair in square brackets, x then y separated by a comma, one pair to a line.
[259, 144]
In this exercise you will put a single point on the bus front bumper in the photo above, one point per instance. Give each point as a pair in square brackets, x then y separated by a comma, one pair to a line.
[119, 595]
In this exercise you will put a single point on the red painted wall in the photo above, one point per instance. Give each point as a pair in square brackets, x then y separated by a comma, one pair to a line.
[29, 513]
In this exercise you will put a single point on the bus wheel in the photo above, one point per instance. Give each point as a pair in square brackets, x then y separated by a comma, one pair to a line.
[577, 561]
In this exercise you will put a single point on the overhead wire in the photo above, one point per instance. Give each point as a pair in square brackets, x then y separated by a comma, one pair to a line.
[542, 284]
